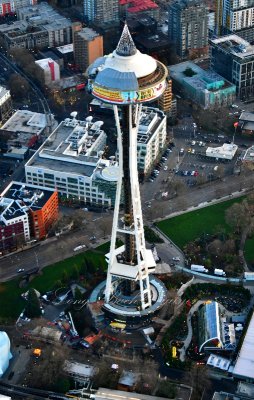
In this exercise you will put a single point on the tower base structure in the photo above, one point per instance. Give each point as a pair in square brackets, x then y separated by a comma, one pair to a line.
[127, 309]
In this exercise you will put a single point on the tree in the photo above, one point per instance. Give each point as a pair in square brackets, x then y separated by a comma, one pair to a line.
[105, 226]
[215, 247]
[65, 277]
[75, 272]
[166, 389]
[18, 86]
[199, 380]
[33, 305]
[201, 179]
[49, 373]
[22, 57]
[78, 294]
[179, 186]
[219, 172]
[240, 215]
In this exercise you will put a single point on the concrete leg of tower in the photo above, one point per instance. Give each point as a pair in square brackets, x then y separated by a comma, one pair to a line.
[136, 261]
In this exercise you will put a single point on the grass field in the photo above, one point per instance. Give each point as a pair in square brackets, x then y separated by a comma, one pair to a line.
[249, 251]
[189, 226]
[11, 303]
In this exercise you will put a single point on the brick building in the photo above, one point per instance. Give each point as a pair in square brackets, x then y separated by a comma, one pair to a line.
[36, 207]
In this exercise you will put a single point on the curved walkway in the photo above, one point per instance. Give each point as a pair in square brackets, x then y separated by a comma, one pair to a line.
[187, 341]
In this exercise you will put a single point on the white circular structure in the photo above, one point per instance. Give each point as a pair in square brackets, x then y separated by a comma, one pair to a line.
[128, 76]
[139, 63]
[110, 174]
[5, 354]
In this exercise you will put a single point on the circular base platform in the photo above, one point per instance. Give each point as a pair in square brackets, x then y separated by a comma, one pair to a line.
[127, 308]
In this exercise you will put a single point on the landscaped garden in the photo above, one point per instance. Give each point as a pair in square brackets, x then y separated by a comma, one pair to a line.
[87, 267]
[233, 298]
[212, 236]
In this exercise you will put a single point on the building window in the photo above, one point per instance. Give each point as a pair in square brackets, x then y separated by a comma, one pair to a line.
[72, 180]
[49, 176]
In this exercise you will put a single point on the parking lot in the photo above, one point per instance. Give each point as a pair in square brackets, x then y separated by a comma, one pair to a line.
[186, 160]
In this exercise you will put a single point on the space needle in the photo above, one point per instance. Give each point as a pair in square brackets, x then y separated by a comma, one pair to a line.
[126, 79]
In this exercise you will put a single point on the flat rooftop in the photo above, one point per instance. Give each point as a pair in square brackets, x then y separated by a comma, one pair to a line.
[152, 41]
[26, 121]
[201, 79]
[70, 148]
[249, 155]
[88, 34]
[33, 197]
[245, 389]
[68, 48]
[79, 370]
[9, 209]
[246, 116]
[19, 28]
[44, 62]
[244, 366]
[150, 120]
[109, 394]
[43, 14]
[235, 45]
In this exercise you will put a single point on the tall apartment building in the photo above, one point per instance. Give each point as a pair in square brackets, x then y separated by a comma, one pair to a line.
[87, 47]
[101, 11]
[5, 104]
[165, 101]
[235, 16]
[59, 28]
[188, 27]
[11, 6]
[151, 140]
[233, 58]
[38, 26]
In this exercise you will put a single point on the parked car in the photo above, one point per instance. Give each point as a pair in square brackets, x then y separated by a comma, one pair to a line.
[20, 270]
[80, 247]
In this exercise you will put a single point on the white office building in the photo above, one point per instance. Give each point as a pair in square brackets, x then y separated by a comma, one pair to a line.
[71, 161]
[152, 135]
[224, 152]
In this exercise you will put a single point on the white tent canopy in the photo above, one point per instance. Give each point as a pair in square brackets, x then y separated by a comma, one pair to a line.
[5, 354]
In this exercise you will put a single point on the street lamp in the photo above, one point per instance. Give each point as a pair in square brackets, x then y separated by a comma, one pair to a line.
[235, 126]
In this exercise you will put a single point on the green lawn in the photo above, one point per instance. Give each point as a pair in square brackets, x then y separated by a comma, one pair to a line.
[189, 226]
[11, 303]
[249, 250]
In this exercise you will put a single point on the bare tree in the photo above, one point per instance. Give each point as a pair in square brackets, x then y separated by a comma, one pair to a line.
[18, 86]
[49, 367]
[105, 226]
[215, 247]
[219, 172]
[199, 380]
